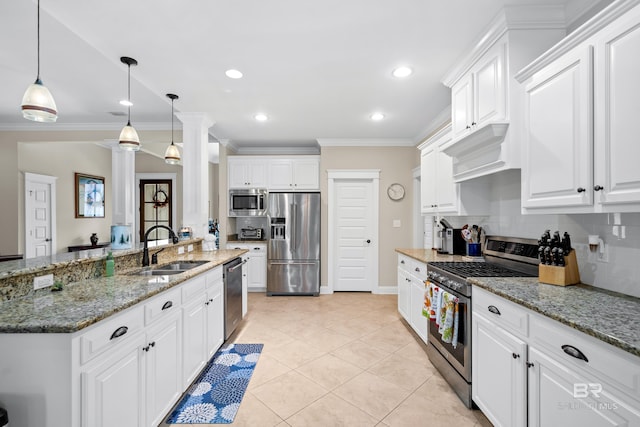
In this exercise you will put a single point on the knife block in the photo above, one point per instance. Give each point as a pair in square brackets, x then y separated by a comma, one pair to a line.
[561, 276]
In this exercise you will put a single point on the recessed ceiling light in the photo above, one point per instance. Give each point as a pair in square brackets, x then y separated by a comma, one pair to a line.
[377, 117]
[261, 117]
[401, 72]
[126, 103]
[233, 74]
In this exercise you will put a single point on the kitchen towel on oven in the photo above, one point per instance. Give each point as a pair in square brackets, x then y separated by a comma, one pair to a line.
[432, 300]
[448, 318]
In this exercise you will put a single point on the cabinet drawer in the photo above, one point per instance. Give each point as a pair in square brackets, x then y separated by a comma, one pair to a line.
[193, 288]
[159, 306]
[110, 332]
[419, 269]
[612, 365]
[502, 312]
[404, 262]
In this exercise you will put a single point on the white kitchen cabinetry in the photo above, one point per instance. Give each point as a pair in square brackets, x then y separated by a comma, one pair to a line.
[502, 398]
[302, 173]
[564, 377]
[194, 320]
[581, 106]
[245, 172]
[485, 101]
[275, 173]
[113, 388]
[439, 193]
[411, 276]
[215, 311]
[256, 267]
[480, 96]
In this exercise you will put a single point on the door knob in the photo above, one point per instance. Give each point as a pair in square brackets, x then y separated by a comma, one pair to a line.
[598, 188]
[368, 241]
[47, 240]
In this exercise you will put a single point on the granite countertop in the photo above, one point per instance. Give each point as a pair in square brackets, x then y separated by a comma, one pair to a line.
[86, 302]
[428, 255]
[44, 263]
[582, 307]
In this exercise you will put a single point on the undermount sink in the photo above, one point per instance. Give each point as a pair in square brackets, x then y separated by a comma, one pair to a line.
[171, 268]
[158, 272]
[182, 265]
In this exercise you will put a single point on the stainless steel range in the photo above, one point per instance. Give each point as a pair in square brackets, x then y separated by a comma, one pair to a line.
[504, 257]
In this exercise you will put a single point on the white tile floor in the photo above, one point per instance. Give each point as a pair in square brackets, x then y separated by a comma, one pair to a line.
[342, 360]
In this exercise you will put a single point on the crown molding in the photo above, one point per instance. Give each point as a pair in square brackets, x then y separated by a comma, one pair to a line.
[530, 17]
[54, 127]
[365, 142]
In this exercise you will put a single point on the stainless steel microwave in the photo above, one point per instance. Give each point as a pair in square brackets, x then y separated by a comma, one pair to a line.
[248, 202]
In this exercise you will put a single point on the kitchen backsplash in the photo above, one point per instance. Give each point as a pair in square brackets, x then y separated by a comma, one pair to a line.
[620, 232]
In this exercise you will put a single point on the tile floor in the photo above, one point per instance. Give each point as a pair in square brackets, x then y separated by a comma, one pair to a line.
[342, 360]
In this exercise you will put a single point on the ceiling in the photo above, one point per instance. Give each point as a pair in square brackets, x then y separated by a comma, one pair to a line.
[317, 69]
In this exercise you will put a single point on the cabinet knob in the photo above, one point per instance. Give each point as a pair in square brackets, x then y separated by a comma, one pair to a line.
[515, 356]
[402, 262]
[468, 127]
[598, 188]
[529, 365]
[581, 190]
[473, 123]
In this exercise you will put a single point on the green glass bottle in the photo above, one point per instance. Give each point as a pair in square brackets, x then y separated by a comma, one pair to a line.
[110, 265]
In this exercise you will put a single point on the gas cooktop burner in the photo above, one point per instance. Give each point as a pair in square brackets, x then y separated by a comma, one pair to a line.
[477, 269]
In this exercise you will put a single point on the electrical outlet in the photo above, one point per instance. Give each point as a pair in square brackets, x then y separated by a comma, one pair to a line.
[180, 250]
[42, 281]
[190, 248]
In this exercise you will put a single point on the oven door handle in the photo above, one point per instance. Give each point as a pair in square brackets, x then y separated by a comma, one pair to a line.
[493, 309]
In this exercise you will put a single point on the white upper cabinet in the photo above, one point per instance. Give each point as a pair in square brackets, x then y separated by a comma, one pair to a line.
[246, 173]
[480, 96]
[438, 191]
[485, 101]
[294, 174]
[297, 173]
[580, 148]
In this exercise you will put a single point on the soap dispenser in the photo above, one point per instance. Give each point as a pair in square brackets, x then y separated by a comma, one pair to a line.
[110, 265]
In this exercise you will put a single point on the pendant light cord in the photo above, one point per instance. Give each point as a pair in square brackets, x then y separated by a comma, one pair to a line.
[128, 95]
[171, 121]
[38, 76]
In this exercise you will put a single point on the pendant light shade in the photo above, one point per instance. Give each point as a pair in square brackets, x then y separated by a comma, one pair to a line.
[129, 139]
[172, 155]
[37, 103]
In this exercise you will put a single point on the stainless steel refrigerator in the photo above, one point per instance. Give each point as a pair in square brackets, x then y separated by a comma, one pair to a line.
[293, 251]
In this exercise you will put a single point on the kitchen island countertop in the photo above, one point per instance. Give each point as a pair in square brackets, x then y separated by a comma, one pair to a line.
[83, 303]
[428, 255]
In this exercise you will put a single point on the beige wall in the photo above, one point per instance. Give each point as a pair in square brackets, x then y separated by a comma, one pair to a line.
[395, 164]
[63, 160]
[82, 158]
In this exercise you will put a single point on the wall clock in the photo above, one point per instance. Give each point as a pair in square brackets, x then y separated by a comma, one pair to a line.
[395, 191]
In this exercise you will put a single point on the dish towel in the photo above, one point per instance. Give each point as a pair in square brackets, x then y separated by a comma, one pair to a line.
[426, 304]
[448, 315]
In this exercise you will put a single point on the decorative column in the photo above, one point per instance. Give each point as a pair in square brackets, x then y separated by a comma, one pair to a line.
[195, 171]
[123, 187]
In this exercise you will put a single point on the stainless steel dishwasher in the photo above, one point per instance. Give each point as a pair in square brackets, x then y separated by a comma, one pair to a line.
[232, 276]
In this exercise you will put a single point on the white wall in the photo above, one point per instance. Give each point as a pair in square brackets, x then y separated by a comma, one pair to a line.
[621, 232]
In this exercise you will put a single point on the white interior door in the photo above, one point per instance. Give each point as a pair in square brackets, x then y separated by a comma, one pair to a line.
[355, 235]
[39, 215]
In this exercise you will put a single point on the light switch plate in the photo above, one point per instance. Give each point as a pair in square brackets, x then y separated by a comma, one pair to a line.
[180, 250]
[42, 281]
[396, 223]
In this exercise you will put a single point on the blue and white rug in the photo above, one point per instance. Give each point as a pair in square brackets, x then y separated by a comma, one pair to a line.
[214, 398]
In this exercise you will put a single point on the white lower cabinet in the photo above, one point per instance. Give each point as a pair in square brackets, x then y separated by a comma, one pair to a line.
[529, 370]
[411, 276]
[215, 312]
[503, 398]
[256, 267]
[113, 389]
[194, 317]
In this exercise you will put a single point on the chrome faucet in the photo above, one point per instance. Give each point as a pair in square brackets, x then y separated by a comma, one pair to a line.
[145, 250]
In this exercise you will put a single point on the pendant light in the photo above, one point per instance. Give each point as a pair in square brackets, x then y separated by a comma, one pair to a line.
[172, 155]
[37, 103]
[129, 137]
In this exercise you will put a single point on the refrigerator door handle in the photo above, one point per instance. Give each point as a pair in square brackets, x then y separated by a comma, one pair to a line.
[292, 263]
[294, 226]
